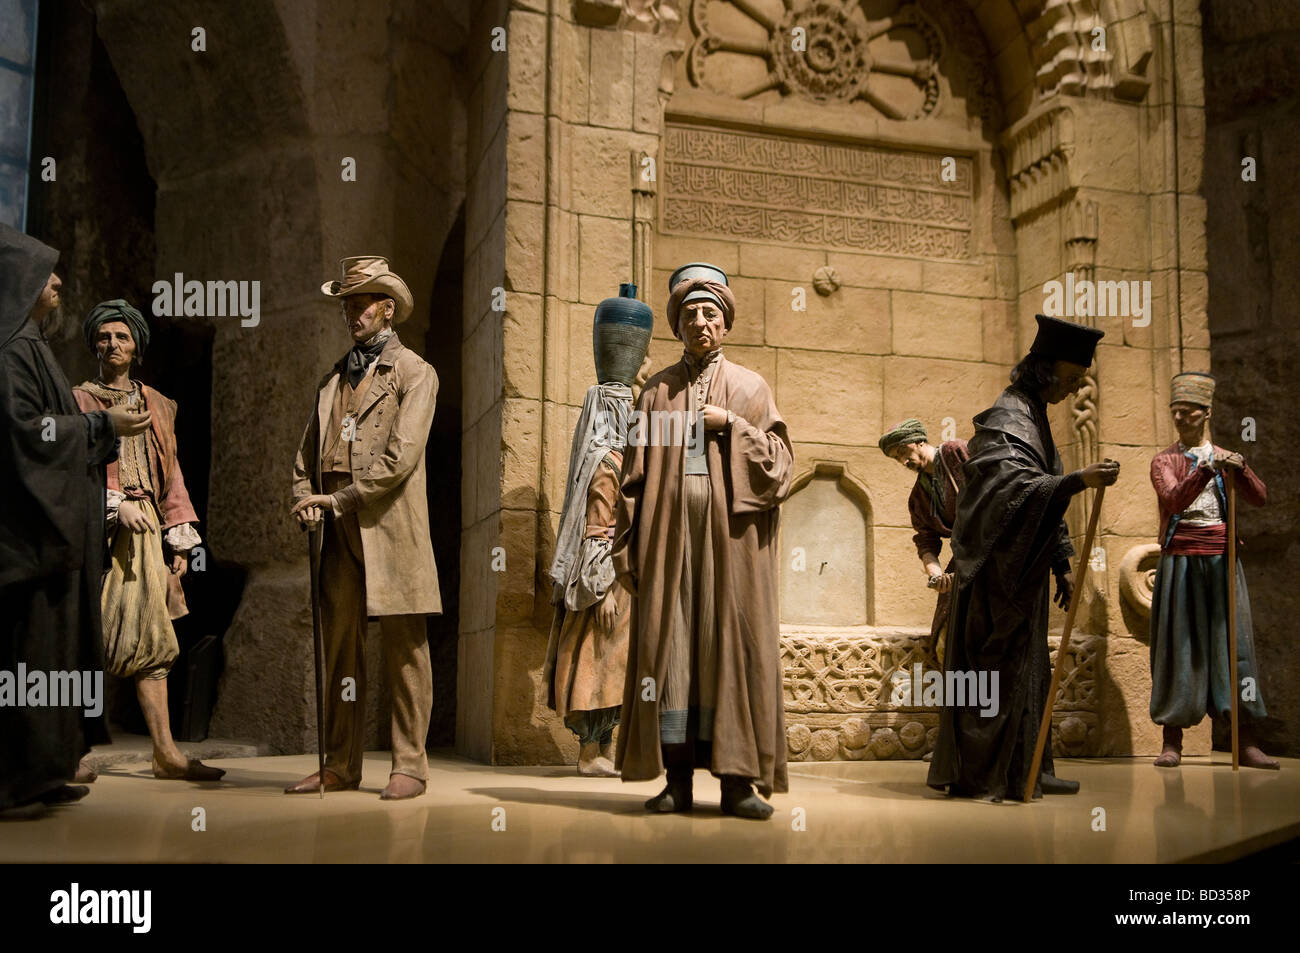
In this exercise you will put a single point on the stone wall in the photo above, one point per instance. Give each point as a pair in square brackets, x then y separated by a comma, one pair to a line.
[1066, 159]
[1251, 93]
[604, 141]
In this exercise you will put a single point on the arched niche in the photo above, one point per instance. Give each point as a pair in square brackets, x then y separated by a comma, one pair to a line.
[826, 576]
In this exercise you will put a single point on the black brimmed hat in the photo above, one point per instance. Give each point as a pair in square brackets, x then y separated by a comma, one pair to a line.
[1065, 340]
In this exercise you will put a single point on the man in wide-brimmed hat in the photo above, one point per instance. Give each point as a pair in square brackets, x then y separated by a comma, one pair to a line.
[360, 468]
[1008, 540]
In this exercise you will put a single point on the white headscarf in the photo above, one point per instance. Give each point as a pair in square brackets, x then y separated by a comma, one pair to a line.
[601, 428]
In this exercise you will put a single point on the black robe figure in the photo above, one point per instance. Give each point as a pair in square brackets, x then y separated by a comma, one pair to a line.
[51, 536]
[1008, 539]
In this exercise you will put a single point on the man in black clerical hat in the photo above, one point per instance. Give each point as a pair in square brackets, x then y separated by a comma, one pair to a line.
[1008, 539]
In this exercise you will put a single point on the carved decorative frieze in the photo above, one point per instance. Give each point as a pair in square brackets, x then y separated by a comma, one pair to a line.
[1071, 54]
[639, 16]
[1038, 150]
[838, 688]
[793, 191]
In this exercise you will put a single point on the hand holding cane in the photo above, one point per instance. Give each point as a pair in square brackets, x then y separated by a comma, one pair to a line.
[1045, 726]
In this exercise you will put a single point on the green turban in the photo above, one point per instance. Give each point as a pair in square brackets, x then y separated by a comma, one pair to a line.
[909, 431]
[117, 310]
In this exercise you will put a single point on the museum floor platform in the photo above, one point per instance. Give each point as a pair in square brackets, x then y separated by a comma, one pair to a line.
[839, 812]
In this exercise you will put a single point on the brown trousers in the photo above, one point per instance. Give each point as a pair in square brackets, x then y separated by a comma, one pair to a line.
[406, 657]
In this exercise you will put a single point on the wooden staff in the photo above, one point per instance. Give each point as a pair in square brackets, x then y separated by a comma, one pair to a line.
[1230, 488]
[1045, 726]
[318, 649]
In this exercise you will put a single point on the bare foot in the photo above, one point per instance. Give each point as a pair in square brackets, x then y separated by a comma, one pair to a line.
[1170, 757]
[1252, 757]
[85, 773]
[1171, 748]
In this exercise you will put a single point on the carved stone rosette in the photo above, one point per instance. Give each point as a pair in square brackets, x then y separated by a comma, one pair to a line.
[821, 50]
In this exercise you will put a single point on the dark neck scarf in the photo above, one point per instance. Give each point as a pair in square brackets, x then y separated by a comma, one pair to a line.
[695, 366]
[362, 355]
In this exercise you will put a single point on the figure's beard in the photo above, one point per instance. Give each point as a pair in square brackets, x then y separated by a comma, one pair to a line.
[52, 325]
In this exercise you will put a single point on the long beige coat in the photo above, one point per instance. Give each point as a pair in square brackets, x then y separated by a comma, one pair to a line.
[751, 463]
[387, 491]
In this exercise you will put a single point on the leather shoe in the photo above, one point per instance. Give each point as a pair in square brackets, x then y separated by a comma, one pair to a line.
[400, 787]
[1054, 785]
[65, 794]
[195, 770]
[311, 784]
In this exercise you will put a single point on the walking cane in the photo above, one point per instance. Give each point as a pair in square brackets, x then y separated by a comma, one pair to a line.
[1230, 487]
[318, 644]
[1045, 726]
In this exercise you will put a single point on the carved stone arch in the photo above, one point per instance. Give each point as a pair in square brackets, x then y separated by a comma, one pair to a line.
[826, 549]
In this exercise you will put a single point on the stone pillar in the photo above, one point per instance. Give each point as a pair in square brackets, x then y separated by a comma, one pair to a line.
[574, 96]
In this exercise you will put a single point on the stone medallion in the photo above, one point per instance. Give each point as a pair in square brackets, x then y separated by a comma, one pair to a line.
[821, 52]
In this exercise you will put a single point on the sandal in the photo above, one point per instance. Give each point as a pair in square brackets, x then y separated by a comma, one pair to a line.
[195, 770]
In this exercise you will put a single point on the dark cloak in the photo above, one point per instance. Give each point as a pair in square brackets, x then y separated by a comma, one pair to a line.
[1008, 537]
[52, 534]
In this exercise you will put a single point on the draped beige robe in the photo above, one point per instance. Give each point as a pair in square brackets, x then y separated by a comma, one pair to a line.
[750, 468]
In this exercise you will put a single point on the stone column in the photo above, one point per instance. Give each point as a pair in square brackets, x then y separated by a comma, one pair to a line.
[577, 94]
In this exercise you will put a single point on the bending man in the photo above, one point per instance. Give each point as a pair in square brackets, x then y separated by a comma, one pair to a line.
[932, 507]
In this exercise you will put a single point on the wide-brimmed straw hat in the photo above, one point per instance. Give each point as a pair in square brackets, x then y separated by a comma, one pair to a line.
[369, 274]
